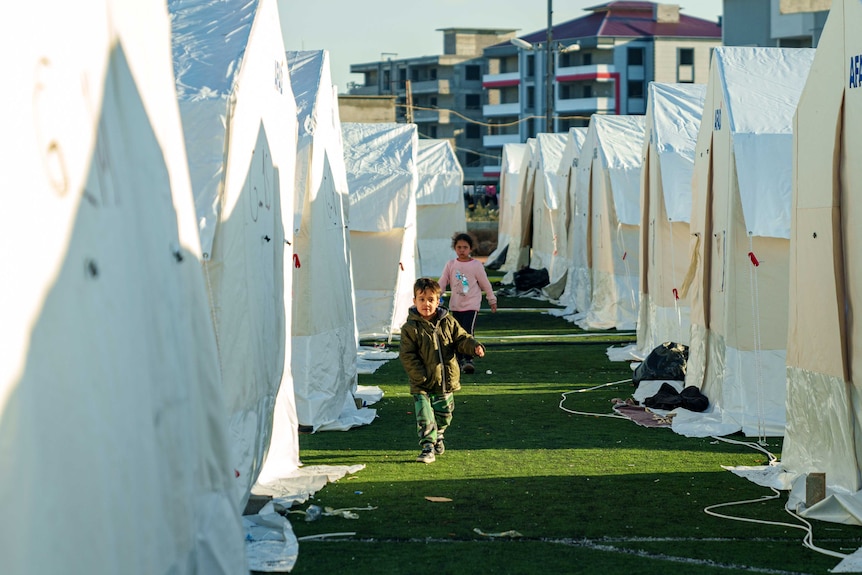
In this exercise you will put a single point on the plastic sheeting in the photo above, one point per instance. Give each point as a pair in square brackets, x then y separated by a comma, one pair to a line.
[241, 146]
[380, 160]
[113, 427]
[567, 172]
[550, 214]
[608, 205]
[519, 213]
[440, 212]
[507, 193]
[324, 342]
[823, 345]
[759, 117]
[672, 121]
[739, 303]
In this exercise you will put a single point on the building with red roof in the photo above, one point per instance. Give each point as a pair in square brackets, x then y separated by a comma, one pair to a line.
[600, 63]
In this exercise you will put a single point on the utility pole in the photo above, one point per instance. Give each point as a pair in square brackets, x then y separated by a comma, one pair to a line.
[549, 74]
[409, 101]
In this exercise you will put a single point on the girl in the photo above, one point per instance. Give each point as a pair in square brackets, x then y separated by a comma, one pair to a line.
[468, 280]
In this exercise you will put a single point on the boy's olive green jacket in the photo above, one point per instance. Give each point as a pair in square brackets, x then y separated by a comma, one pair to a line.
[428, 351]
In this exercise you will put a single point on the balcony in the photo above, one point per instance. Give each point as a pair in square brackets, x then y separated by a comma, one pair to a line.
[597, 72]
[431, 87]
[496, 110]
[497, 140]
[435, 116]
[364, 91]
[585, 106]
[491, 171]
[501, 80]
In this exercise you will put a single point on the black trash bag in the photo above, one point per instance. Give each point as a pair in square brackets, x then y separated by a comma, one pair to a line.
[528, 278]
[666, 361]
[693, 399]
[666, 398]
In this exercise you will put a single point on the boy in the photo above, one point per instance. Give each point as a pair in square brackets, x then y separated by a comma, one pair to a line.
[430, 341]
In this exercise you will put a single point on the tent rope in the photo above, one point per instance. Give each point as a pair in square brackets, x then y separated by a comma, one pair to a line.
[758, 363]
[673, 283]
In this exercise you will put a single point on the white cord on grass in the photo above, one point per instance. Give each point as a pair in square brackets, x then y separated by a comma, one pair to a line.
[807, 541]
[613, 415]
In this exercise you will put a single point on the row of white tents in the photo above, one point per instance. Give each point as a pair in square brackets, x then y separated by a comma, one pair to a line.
[193, 251]
[722, 219]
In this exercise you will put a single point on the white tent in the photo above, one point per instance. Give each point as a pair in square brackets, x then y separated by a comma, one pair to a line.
[575, 232]
[241, 145]
[508, 206]
[113, 435]
[381, 174]
[549, 233]
[608, 204]
[440, 212]
[518, 208]
[823, 343]
[324, 342]
[740, 223]
[672, 122]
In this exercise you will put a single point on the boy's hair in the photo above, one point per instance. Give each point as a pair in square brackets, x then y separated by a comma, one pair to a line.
[423, 284]
[462, 237]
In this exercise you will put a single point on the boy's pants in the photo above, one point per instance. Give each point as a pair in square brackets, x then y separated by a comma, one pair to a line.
[433, 415]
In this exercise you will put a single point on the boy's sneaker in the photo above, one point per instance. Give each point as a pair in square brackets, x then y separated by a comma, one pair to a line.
[427, 455]
[439, 448]
[468, 367]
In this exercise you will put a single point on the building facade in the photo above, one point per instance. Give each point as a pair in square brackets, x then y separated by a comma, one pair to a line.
[441, 94]
[601, 63]
[762, 23]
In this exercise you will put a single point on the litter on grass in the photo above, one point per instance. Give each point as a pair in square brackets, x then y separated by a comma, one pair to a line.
[510, 533]
[437, 499]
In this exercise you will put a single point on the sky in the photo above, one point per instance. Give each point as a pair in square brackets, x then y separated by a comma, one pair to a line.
[361, 31]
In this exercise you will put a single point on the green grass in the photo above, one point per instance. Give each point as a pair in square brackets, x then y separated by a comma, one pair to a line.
[587, 494]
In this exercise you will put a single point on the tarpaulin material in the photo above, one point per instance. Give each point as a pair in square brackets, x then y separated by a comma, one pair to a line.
[382, 177]
[113, 429]
[239, 117]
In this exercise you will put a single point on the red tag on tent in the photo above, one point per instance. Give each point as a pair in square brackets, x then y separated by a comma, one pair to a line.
[296, 263]
[236, 472]
[625, 254]
[675, 294]
[401, 266]
[753, 259]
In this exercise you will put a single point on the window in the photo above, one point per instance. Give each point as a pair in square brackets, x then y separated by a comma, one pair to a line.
[636, 88]
[531, 97]
[473, 131]
[686, 56]
[472, 101]
[432, 73]
[588, 59]
[432, 131]
[432, 101]
[685, 65]
[635, 56]
[473, 72]
[531, 66]
[588, 91]
[471, 159]
[387, 87]
[414, 75]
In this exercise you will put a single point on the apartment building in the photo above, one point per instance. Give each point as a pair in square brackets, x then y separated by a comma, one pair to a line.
[774, 23]
[441, 94]
[600, 63]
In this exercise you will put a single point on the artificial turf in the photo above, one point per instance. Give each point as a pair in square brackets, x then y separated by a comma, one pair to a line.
[549, 490]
